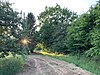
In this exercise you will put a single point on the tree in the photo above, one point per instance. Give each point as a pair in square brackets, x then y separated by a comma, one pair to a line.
[83, 34]
[28, 31]
[78, 32]
[54, 22]
[32, 30]
[9, 26]
[95, 32]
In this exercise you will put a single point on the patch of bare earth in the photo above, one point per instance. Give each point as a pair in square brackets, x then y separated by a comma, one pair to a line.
[44, 65]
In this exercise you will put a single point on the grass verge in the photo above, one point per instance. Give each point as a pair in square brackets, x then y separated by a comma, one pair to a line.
[11, 65]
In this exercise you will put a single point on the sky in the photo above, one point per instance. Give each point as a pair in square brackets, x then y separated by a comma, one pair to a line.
[37, 6]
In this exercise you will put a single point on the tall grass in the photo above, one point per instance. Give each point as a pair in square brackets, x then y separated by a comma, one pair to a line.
[11, 65]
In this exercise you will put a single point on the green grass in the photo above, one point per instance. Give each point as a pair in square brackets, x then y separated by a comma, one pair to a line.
[82, 62]
[11, 65]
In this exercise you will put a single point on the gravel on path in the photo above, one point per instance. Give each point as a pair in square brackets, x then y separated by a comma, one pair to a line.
[44, 65]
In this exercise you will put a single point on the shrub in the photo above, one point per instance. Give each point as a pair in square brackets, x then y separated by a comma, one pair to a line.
[11, 65]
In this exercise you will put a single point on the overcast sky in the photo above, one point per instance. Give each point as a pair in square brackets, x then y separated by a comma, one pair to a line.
[37, 6]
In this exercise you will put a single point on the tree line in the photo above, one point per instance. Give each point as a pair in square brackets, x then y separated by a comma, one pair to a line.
[61, 31]
[64, 31]
[14, 28]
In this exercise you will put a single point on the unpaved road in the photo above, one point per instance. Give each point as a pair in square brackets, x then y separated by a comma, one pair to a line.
[44, 65]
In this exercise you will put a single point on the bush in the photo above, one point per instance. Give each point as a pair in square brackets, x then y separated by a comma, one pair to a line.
[11, 65]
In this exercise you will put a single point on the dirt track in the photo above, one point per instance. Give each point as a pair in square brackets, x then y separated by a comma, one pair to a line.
[44, 65]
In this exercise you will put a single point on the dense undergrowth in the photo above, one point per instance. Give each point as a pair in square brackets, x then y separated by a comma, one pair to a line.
[11, 65]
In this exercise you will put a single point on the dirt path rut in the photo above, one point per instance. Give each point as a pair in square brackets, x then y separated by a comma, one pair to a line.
[44, 65]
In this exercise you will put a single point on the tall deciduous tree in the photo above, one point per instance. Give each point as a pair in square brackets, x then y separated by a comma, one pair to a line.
[9, 25]
[29, 30]
[54, 22]
[32, 30]
[95, 32]
[77, 36]
[83, 35]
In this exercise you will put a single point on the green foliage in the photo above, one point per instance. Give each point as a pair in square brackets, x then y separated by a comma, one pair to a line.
[9, 27]
[54, 22]
[10, 65]
[13, 29]
[77, 36]
[95, 32]
[29, 31]
[62, 32]
[31, 22]
[84, 33]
